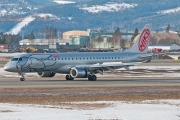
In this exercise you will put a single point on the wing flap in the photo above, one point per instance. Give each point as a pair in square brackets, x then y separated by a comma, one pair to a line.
[110, 65]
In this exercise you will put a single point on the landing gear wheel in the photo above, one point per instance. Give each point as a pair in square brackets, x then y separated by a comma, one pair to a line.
[92, 78]
[69, 77]
[22, 79]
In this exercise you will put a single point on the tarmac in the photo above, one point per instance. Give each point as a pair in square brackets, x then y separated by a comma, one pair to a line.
[101, 82]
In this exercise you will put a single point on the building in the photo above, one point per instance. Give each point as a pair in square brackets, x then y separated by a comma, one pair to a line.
[82, 41]
[76, 38]
[164, 38]
[89, 38]
[4, 47]
[126, 35]
[42, 43]
[103, 42]
[74, 33]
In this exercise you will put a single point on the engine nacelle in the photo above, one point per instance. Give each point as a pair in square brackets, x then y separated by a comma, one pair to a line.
[79, 73]
[46, 74]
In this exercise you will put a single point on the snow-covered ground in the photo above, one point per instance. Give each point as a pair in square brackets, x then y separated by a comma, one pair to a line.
[109, 7]
[17, 28]
[145, 110]
[170, 11]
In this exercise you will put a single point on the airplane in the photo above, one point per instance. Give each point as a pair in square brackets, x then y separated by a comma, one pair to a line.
[174, 55]
[81, 65]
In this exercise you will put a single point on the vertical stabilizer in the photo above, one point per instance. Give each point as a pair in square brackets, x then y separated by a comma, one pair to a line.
[142, 42]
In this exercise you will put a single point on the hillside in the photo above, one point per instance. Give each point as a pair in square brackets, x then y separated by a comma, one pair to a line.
[84, 14]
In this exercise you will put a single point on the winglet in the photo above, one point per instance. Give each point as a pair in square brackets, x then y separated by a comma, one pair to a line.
[142, 41]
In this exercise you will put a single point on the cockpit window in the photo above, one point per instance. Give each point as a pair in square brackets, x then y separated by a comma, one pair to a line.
[14, 59]
[20, 59]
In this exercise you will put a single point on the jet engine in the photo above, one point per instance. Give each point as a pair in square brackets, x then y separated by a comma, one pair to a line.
[79, 73]
[46, 74]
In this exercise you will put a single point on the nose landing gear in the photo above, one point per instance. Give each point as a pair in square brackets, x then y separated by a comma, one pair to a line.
[22, 78]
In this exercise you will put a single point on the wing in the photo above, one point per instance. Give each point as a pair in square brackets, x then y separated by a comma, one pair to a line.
[107, 66]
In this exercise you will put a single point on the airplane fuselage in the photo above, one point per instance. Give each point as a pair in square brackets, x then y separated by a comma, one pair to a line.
[61, 62]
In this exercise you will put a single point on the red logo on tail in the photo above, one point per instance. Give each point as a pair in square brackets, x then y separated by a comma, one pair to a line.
[143, 41]
[56, 56]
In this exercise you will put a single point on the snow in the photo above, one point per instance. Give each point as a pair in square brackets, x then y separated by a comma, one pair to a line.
[47, 15]
[16, 29]
[155, 67]
[148, 110]
[63, 2]
[109, 7]
[9, 54]
[3, 12]
[175, 10]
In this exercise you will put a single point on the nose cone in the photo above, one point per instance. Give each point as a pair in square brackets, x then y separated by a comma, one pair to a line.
[6, 67]
[9, 67]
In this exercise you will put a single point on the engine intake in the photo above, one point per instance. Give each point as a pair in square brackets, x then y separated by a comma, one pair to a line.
[46, 74]
[79, 73]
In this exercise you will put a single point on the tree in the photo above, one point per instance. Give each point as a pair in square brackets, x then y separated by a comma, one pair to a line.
[136, 32]
[168, 28]
[2, 40]
[48, 32]
[117, 38]
[8, 38]
[26, 36]
[178, 33]
[31, 36]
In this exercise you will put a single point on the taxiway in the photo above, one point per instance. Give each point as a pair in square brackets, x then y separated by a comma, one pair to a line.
[101, 82]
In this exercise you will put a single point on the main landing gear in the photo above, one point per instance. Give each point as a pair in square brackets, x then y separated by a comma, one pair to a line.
[22, 78]
[92, 78]
[69, 77]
